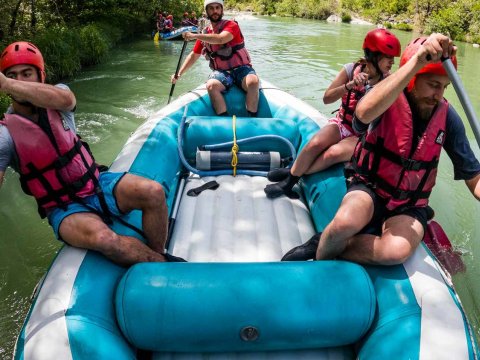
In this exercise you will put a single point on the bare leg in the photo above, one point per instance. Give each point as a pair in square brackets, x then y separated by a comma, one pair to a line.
[356, 211]
[88, 231]
[136, 192]
[324, 138]
[251, 84]
[400, 237]
[215, 88]
[335, 154]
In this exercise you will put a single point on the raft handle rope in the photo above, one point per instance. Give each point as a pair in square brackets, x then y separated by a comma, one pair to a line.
[180, 134]
[235, 146]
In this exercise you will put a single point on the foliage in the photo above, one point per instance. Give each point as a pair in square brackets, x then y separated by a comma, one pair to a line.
[94, 45]
[59, 46]
[4, 103]
[447, 21]
[403, 26]
[346, 18]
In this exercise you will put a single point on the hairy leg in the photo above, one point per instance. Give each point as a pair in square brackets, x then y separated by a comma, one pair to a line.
[400, 237]
[136, 192]
[88, 231]
[335, 154]
[215, 88]
[251, 85]
[324, 138]
[356, 211]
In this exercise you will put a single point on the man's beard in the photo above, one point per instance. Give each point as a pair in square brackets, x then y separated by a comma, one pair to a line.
[419, 113]
[215, 21]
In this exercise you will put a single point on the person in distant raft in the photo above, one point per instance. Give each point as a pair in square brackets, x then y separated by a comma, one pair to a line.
[334, 143]
[223, 45]
[38, 139]
[405, 122]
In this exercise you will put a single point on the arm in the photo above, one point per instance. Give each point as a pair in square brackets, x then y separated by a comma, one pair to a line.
[217, 39]
[474, 186]
[187, 64]
[465, 165]
[377, 101]
[337, 88]
[41, 95]
[341, 84]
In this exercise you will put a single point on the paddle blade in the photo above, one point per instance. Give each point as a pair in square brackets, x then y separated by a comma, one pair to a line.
[439, 244]
[155, 38]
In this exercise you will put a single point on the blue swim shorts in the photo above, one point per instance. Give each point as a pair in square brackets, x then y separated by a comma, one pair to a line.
[234, 76]
[108, 181]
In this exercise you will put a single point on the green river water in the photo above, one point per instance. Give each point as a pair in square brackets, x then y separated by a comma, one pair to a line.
[299, 56]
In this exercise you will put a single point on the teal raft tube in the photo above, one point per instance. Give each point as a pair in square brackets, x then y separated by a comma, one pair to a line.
[234, 298]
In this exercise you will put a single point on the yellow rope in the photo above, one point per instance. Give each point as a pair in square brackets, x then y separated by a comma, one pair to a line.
[235, 147]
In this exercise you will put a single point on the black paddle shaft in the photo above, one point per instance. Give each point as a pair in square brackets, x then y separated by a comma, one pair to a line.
[178, 68]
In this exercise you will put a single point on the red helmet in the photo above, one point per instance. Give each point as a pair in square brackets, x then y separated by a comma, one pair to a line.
[432, 68]
[22, 53]
[383, 41]
[170, 17]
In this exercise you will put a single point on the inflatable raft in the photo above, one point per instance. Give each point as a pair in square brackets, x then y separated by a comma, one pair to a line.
[234, 298]
[175, 34]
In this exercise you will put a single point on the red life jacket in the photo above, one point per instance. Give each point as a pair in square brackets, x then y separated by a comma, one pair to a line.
[225, 56]
[55, 172]
[385, 157]
[350, 99]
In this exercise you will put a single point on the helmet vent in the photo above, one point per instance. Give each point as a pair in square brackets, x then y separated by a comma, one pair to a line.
[31, 50]
[17, 47]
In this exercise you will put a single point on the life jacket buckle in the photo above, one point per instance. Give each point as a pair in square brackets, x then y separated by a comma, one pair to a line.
[410, 164]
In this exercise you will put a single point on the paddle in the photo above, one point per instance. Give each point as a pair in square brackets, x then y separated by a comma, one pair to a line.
[463, 97]
[176, 71]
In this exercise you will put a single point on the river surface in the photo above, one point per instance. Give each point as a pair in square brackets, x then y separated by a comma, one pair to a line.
[299, 56]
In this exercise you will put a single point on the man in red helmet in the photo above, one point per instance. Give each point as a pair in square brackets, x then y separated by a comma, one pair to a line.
[38, 139]
[224, 47]
[405, 122]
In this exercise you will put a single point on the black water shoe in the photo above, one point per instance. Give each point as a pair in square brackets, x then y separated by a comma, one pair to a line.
[284, 187]
[305, 251]
[173, 258]
[279, 174]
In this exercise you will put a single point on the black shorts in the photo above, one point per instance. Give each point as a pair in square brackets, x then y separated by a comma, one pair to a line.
[381, 213]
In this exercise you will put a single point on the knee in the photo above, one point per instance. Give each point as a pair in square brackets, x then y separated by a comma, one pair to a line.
[334, 154]
[153, 193]
[394, 251]
[252, 82]
[213, 86]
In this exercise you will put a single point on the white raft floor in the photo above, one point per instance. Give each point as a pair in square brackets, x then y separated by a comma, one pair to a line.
[237, 222]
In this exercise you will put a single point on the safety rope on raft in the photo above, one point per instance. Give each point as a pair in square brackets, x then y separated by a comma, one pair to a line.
[235, 146]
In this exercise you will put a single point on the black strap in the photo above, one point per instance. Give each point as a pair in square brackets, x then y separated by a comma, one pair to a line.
[407, 164]
[211, 185]
[59, 163]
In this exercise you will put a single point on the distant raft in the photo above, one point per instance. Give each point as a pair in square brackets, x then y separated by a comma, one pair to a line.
[174, 34]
